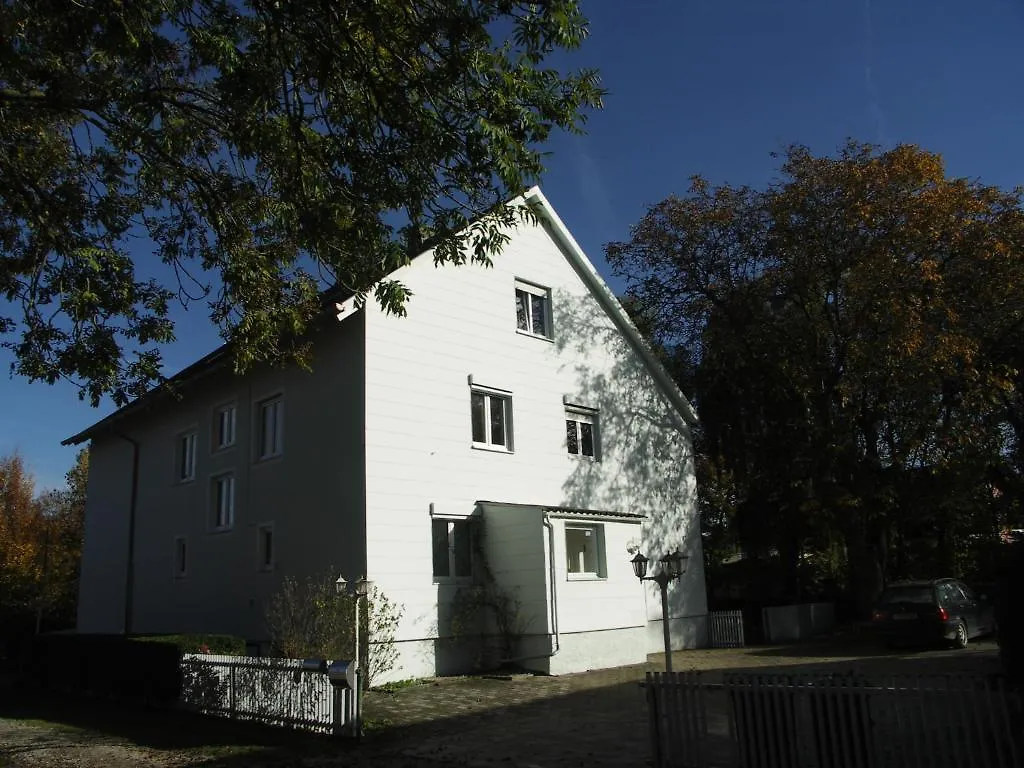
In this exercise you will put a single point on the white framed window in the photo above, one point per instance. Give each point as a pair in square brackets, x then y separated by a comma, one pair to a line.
[491, 416]
[265, 547]
[185, 457]
[453, 549]
[223, 502]
[224, 423]
[270, 434]
[584, 551]
[533, 309]
[180, 557]
[581, 438]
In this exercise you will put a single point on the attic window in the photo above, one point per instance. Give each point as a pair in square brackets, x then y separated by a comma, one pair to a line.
[533, 309]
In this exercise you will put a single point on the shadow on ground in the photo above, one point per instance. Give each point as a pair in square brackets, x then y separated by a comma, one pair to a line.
[593, 719]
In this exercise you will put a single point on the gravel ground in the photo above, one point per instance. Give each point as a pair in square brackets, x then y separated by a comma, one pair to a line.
[522, 721]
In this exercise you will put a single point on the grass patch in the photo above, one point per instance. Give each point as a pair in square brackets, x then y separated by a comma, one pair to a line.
[398, 685]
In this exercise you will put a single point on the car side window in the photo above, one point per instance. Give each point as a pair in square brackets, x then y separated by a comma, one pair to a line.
[948, 594]
[968, 593]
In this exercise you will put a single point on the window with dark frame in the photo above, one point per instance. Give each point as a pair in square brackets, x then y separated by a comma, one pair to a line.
[452, 549]
[224, 427]
[533, 309]
[271, 427]
[265, 547]
[490, 418]
[584, 550]
[186, 458]
[581, 432]
[180, 556]
[223, 502]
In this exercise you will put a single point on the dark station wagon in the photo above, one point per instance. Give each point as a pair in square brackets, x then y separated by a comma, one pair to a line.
[931, 612]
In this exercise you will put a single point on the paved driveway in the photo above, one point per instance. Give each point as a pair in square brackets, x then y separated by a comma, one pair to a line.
[598, 718]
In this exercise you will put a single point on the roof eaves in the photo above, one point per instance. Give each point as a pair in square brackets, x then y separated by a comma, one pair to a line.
[611, 304]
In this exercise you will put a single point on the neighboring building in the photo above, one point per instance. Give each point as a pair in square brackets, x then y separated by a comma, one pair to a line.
[518, 399]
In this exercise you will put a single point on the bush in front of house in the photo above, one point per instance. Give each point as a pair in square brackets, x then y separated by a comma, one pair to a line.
[224, 645]
[1009, 617]
[112, 666]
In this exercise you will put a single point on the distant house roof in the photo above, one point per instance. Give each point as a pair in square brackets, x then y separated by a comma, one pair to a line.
[577, 257]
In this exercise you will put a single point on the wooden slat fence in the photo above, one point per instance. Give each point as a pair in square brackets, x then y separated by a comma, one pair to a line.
[725, 629]
[832, 721]
[273, 691]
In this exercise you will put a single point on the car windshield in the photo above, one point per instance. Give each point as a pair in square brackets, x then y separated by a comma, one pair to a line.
[908, 595]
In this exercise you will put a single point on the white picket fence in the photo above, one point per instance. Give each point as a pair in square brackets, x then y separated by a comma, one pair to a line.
[816, 721]
[725, 629]
[273, 691]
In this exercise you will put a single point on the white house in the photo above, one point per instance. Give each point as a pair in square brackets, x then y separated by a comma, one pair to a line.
[514, 406]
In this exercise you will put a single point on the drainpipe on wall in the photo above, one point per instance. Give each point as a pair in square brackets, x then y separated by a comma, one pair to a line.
[129, 571]
[554, 585]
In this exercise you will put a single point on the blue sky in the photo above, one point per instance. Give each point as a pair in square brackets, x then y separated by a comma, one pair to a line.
[712, 87]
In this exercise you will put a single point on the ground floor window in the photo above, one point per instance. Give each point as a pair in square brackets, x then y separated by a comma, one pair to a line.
[584, 550]
[453, 550]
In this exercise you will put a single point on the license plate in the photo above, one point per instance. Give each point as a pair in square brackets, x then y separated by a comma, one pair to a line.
[904, 616]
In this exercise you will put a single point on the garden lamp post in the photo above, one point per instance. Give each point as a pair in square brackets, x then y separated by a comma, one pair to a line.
[673, 566]
[360, 590]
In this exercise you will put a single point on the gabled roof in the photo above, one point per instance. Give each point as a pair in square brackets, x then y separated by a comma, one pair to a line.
[583, 266]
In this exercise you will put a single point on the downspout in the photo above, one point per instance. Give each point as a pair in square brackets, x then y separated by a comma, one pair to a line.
[554, 585]
[129, 571]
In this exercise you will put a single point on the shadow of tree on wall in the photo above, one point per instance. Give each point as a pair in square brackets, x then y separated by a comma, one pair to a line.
[647, 443]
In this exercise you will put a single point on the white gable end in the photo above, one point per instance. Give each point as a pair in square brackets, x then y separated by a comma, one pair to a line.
[461, 332]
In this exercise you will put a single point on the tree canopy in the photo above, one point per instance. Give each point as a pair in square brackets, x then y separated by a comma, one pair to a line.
[855, 333]
[263, 151]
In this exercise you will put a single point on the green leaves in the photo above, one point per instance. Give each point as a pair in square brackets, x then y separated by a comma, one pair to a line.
[851, 326]
[268, 150]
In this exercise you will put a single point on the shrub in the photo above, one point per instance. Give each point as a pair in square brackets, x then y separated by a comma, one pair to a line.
[308, 619]
[227, 645]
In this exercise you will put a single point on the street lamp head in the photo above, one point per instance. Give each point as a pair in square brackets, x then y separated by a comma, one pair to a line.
[673, 564]
[681, 561]
[340, 586]
[639, 565]
[363, 587]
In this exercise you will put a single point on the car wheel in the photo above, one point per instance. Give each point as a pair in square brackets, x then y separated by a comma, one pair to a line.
[961, 635]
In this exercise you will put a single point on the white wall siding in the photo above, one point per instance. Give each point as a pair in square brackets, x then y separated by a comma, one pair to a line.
[462, 322]
[105, 545]
[312, 495]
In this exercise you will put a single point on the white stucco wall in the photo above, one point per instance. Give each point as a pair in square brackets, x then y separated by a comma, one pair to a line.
[461, 323]
[312, 495]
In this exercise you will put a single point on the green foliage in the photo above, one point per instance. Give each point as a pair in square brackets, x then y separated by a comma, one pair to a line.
[226, 645]
[854, 333]
[268, 150]
[309, 619]
[485, 608]
[40, 545]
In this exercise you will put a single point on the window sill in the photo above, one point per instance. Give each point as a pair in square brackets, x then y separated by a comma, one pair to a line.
[185, 480]
[530, 335]
[489, 447]
[585, 577]
[268, 459]
[216, 531]
[581, 457]
[222, 449]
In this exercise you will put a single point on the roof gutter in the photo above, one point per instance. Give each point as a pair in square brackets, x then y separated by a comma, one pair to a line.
[611, 305]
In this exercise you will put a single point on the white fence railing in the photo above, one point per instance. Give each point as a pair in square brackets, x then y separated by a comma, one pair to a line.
[725, 629]
[817, 721]
[274, 691]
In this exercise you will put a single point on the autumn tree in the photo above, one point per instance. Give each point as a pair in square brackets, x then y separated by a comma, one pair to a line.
[254, 154]
[20, 563]
[856, 329]
[40, 546]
